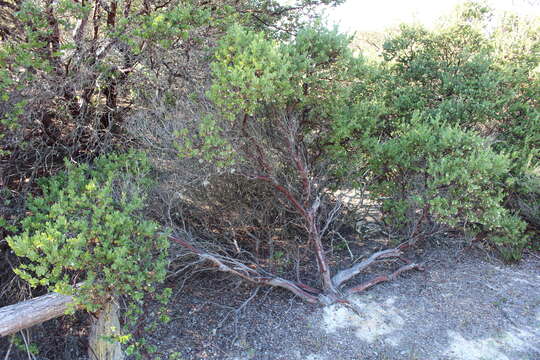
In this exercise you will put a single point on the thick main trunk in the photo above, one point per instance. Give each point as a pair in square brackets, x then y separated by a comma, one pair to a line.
[324, 270]
[106, 325]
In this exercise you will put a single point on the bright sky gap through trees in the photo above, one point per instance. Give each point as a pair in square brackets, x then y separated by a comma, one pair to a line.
[357, 15]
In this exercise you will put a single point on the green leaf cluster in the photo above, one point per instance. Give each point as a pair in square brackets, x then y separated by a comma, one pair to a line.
[259, 81]
[251, 71]
[477, 78]
[86, 228]
[450, 173]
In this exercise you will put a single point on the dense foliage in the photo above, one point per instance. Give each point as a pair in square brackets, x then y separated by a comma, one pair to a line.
[471, 82]
[72, 73]
[260, 135]
[454, 178]
[85, 235]
[421, 129]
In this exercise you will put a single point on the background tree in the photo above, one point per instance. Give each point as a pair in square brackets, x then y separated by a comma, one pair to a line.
[73, 71]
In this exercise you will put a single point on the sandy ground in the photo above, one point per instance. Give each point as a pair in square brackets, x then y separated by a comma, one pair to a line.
[465, 306]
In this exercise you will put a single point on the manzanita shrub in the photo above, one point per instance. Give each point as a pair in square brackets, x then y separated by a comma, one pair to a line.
[84, 236]
[434, 164]
[433, 172]
[477, 83]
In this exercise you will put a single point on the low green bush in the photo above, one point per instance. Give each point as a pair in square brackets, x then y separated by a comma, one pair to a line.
[441, 173]
[474, 80]
[525, 198]
[86, 228]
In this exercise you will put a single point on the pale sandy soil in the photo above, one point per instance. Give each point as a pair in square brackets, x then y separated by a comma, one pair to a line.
[465, 306]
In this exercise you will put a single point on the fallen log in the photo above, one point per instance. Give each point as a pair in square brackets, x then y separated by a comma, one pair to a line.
[16, 317]
[25, 314]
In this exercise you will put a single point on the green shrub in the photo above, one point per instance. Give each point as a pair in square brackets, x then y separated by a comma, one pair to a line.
[447, 73]
[485, 81]
[259, 82]
[432, 171]
[525, 198]
[86, 228]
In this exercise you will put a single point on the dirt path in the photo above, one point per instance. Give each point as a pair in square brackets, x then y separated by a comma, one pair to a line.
[464, 307]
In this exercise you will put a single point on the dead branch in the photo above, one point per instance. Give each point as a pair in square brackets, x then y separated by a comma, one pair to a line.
[347, 274]
[230, 265]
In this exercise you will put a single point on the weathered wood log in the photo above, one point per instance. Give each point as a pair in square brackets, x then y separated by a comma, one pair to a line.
[16, 317]
[28, 313]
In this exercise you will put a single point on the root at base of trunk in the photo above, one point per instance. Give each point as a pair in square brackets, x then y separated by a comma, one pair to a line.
[309, 294]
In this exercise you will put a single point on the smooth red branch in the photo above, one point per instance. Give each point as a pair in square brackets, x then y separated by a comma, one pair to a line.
[383, 278]
[315, 239]
[285, 192]
[300, 166]
[186, 244]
